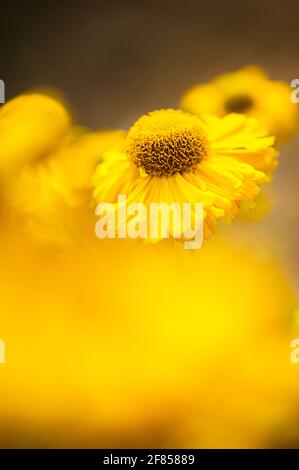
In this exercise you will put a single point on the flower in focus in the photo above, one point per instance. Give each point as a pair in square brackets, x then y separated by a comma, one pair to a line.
[173, 156]
[31, 128]
[247, 91]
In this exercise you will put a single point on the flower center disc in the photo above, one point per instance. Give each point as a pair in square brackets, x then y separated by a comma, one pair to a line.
[238, 104]
[167, 142]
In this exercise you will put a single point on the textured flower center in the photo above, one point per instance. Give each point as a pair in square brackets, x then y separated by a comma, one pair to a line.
[167, 142]
[238, 103]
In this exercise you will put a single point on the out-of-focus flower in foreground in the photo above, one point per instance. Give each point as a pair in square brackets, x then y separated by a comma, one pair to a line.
[173, 156]
[31, 128]
[126, 348]
[247, 91]
[47, 166]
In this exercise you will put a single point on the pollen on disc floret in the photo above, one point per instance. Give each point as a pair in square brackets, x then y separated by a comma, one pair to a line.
[166, 142]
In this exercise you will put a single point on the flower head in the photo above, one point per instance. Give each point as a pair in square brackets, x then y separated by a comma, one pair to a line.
[52, 197]
[31, 127]
[173, 156]
[247, 91]
[167, 142]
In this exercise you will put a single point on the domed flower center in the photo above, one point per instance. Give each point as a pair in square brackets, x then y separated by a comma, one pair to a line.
[167, 142]
[238, 104]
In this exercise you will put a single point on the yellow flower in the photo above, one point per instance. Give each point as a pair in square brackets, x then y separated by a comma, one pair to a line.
[248, 91]
[173, 156]
[52, 197]
[31, 127]
[72, 167]
[182, 352]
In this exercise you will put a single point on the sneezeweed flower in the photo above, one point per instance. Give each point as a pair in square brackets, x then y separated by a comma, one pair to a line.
[52, 197]
[31, 128]
[173, 156]
[74, 164]
[184, 369]
[247, 91]
[46, 165]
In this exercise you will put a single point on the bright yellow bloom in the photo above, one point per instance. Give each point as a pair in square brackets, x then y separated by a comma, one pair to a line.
[248, 91]
[125, 348]
[31, 127]
[53, 196]
[72, 167]
[173, 156]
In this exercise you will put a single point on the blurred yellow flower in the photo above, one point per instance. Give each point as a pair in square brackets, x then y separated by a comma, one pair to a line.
[31, 127]
[71, 168]
[196, 356]
[248, 91]
[52, 197]
[173, 156]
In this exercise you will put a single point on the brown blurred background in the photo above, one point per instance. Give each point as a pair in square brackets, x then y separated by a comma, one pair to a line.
[116, 59]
